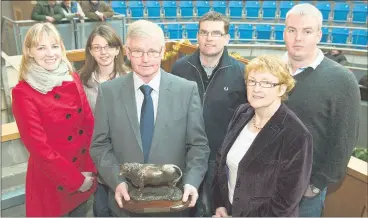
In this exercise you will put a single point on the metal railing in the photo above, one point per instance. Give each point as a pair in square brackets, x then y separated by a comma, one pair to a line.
[13, 32]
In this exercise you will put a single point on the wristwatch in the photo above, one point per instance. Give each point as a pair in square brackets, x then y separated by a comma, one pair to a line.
[314, 189]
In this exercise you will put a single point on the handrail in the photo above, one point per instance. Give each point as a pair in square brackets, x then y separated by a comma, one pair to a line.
[323, 47]
[115, 16]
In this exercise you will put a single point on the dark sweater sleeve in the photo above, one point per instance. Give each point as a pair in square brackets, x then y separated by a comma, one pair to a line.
[344, 130]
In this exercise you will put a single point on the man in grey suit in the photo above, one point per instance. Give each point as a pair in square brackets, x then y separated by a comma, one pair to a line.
[148, 116]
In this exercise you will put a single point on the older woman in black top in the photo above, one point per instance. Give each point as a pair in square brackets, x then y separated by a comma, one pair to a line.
[265, 162]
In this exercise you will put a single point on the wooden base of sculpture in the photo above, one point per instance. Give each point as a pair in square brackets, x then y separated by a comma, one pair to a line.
[155, 200]
[155, 206]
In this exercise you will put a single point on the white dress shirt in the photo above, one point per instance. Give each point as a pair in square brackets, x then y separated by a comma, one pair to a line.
[314, 64]
[236, 154]
[139, 97]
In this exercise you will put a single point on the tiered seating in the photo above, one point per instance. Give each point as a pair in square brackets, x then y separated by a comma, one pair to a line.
[235, 9]
[186, 9]
[285, 6]
[252, 9]
[279, 33]
[359, 13]
[219, 6]
[341, 11]
[135, 9]
[359, 37]
[202, 7]
[245, 32]
[270, 16]
[339, 35]
[232, 33]
[325, 33]
[269, 10]
[175, 31]
[191, 31]
[169, 9]
[153, 10]
[325, 8]
[263, 32]
[119, 7]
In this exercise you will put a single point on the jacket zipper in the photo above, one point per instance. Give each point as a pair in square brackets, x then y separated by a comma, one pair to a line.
[205, 89]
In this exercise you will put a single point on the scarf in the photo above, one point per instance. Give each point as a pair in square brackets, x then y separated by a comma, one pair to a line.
[43, 80]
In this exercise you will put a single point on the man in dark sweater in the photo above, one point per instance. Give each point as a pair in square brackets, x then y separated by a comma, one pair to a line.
[220, 80]
[326, 98]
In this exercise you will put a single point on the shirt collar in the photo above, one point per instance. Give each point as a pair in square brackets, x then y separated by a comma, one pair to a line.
[317, 61]
[154, 83]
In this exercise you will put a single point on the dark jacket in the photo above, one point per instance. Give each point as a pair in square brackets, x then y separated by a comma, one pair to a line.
[224, 93]
[274, 173]
[43, 9]
[338, 58]
[89, 9]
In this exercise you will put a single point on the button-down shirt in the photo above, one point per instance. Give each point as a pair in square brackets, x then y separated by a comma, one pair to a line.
[314, 64]
[139, 97]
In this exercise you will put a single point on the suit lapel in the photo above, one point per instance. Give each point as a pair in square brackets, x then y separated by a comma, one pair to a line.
[128, 95]
[163, 110]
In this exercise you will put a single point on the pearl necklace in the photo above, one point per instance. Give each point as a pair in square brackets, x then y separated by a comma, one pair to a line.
[254, 124]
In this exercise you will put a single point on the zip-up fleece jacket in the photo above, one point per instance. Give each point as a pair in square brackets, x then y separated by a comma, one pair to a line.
[224, 92]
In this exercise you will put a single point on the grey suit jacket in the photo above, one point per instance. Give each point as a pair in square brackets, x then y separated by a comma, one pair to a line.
[179, 137]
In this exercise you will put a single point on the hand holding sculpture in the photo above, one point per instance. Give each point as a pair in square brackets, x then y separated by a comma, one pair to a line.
[152, 188]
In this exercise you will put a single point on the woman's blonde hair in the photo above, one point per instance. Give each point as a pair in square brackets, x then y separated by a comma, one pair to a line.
[275, 66]
[32, 39]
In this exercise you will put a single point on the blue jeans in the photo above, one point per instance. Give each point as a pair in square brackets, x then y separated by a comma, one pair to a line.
[100, 205]
[204, 206]
[312, 206]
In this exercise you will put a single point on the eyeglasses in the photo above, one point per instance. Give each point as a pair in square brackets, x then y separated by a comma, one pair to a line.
[213, 33]
[263, 84]
[97, 48]
[150, 53]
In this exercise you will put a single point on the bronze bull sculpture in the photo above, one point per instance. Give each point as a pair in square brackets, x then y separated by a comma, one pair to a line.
[141, 175]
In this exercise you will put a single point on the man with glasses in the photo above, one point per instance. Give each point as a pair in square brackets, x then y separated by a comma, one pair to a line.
[221, 87]
[326, 99]
[148, 116]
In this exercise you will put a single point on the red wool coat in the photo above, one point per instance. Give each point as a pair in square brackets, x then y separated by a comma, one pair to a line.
[56, 128]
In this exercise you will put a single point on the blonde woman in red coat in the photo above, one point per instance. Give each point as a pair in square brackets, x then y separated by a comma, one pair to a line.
[55, 123]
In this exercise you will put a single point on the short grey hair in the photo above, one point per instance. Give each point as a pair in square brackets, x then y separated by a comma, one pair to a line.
[307, 9]
[145, 28]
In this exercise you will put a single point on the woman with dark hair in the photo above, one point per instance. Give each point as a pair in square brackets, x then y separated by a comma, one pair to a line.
[104, 61]
[55, 124]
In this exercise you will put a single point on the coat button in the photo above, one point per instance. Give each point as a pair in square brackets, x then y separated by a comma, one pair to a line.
[60, 188]
[79, 110]
[236, 199]
[238, 185]
[70, 138]
[83, 150]
[57, 96]
[68, 116]
[80, 132]
[74, 159]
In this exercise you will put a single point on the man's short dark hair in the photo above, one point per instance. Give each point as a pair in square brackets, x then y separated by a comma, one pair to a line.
[215, 16]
